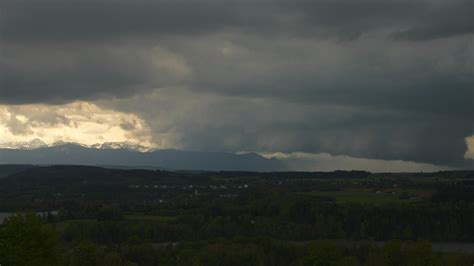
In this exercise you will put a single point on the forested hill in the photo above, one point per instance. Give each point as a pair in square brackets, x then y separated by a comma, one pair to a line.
[6, 170]
[76, 173]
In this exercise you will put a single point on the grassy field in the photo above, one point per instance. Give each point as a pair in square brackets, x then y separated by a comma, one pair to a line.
[366, 196]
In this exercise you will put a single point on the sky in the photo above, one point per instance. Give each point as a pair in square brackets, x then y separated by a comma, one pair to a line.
[380, 84]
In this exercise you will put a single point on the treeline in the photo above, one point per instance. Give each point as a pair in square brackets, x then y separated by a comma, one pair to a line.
[286, 217]
[286, 175]
[26, 241]
[454, 192]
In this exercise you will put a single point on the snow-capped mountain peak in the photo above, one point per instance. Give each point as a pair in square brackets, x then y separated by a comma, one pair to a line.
[120, 145]
[38, 143]
[24, 145]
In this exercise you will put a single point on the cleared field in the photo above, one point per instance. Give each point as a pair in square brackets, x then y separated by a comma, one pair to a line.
[366, 196]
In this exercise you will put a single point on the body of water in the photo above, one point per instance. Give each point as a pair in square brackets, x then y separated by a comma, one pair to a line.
[5, 215]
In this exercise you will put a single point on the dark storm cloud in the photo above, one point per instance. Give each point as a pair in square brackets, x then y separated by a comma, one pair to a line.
[46, 20]
[409, 20]
[350, 19]
[446, 19]
[375, 79]
[50, 76]
[53, 73]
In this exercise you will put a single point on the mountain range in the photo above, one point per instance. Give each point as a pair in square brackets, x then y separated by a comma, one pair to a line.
[37, 152]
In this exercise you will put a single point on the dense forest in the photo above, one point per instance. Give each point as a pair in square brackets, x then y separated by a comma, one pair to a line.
[75, 215]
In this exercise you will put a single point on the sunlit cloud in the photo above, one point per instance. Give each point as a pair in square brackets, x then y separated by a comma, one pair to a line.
[80, 122]
[470, 148]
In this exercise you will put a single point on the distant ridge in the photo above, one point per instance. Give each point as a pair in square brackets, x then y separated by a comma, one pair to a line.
[114, 154]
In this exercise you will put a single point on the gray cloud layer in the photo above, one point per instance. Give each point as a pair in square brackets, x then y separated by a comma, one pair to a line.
[118, 19]
[374, 79]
